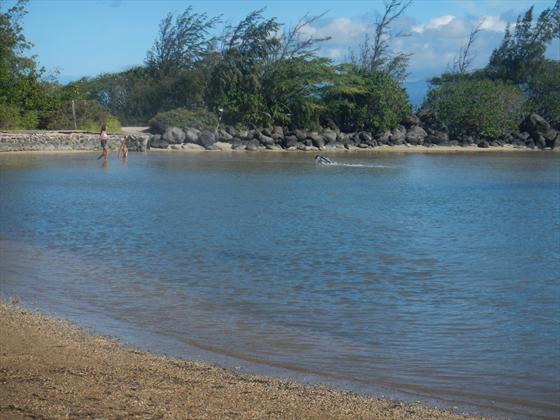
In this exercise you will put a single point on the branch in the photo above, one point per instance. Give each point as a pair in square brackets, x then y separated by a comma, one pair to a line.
[463, 62]
[293, 46]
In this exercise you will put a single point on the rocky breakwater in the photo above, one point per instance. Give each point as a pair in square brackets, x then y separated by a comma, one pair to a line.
[422, 129]
[26, 141]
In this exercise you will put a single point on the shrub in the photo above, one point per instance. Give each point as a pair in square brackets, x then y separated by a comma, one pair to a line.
[9, 116]
[365, 100]
[12, 119]
[482, 108]
[90, 115]
[544, 92]
[181, 117]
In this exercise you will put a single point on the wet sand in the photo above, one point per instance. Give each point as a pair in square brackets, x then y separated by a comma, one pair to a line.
[51, 368]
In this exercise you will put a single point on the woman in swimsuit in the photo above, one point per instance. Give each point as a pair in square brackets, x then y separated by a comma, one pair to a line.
[103, 138]
[123, 149]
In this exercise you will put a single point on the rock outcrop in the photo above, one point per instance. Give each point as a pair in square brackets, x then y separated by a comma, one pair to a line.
[424, 128]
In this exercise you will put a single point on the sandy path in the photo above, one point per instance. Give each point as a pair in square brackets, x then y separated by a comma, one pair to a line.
[49, 368]
[136, 130]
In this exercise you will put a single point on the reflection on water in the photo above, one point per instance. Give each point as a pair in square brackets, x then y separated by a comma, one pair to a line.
[434, 275]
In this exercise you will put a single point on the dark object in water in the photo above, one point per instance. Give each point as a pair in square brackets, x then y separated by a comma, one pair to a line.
[323, 160]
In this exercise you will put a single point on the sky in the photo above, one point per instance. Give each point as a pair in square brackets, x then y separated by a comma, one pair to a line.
[78, 38]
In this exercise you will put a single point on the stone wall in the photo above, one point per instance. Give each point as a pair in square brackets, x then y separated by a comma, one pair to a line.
[64, 141]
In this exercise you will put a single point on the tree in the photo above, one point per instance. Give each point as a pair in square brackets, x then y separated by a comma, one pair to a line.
[544, 92]
[294, 45]
[90, 115]
[265, 78]
[236, 82]
[375, 53]
[182, 41]
[12, 39]
[293, 90]
[480, 108]
[522, 51]
[464, 59]
[24, 96]
[295, 79]
[360, 99]
[518, 79]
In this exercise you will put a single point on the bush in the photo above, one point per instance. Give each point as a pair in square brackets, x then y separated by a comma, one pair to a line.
[182, 118]
[9, 117]
[12, 119]
[364, 100]
[481, 108]
[544, 92]
[90, 115]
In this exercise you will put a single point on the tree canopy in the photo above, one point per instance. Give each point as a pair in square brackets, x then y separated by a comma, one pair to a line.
[517, 79]
[258, 72]
[182, 41]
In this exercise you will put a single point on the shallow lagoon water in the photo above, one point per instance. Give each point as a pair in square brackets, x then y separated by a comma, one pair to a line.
[428, 275]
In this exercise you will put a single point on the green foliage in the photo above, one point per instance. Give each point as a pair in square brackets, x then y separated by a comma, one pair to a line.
[375, 54]
[113, 125]
[363, 100]
[182, 117]
[450, 77]
[136, 95]
[183, 40]
[293, 89]
[482, 108]
[24, 96]
[259, 77]
[523, 50]
[90, 115]
[9, 117]
[518, 79]
[12, 39]
[237, 80]
[544, 92]
[266, 79]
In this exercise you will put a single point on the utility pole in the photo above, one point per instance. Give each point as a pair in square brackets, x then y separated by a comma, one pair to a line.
[74, 114]
[221, 111]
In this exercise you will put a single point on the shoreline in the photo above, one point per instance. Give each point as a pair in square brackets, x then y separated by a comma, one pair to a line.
[337, 151]
[52, 368]
[192, 141]
[374, 150]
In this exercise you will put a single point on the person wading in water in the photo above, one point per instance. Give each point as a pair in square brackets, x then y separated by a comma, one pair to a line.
[103, 138]
[123, 149]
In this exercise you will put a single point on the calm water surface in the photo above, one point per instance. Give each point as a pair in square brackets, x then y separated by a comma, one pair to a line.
[429, 276]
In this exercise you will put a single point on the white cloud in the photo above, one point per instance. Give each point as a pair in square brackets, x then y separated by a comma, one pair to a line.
[434, 44]
[342, 30]
[337, 53]
[492, 23]
[435, 23]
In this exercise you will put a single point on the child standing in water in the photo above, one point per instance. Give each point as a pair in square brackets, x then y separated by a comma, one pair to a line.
[103, 138]
[123, 149]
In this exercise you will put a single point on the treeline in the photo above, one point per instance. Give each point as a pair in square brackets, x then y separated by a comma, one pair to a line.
[29, 98]
[517, 80]
[254, 74]
[249, 76]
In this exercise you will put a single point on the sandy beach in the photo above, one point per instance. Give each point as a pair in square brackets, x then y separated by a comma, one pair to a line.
[52, 369]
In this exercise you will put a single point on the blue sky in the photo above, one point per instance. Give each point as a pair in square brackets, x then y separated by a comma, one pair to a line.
[88, 37]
